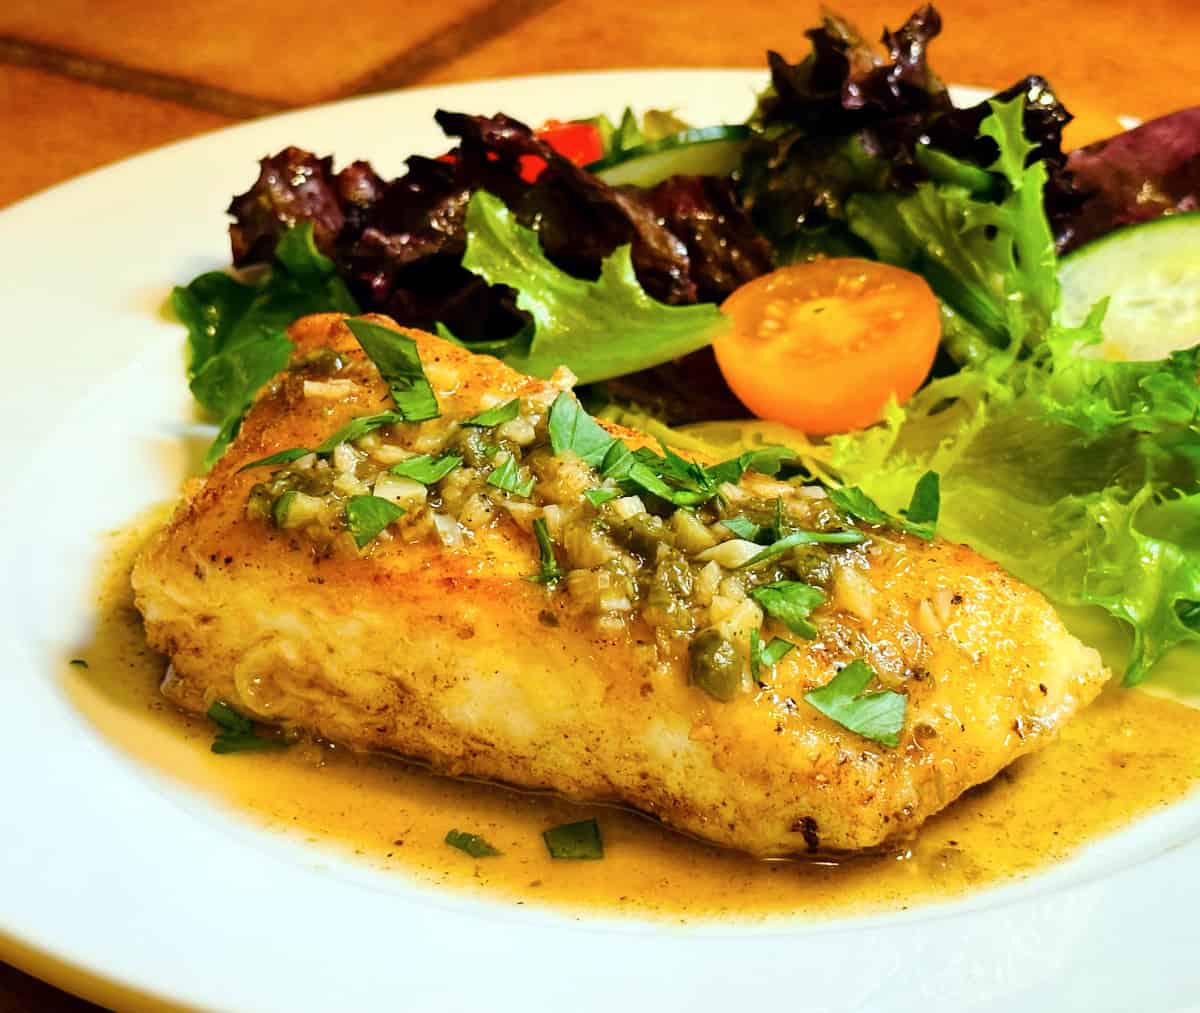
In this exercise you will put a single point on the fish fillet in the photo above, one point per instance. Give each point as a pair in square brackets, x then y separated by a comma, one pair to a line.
[447, 653]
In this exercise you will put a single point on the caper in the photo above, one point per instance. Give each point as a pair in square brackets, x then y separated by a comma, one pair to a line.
[323, 362]
[476, 447]
[715, 665]
[642, 534]
[811, 564]
[674, 575]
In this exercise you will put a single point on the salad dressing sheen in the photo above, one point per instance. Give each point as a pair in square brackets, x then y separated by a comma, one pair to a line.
[1127, 754]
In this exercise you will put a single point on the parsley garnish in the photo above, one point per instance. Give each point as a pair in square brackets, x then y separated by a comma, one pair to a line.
[472, 844]
[237, 734]
[507, 476]
[920, 518]
[571, 428]
[426, 469]
[669, 477]
[550, 570]
[351, 431]
[876, 716]
[791, 602]
[496, 416]
[367, 516]
[744, 528]
[395, 356]
[78, 663]
[643, 469]
[768, 656]
[599, 496]
[852, 500]
[766, 461]
[575, 840]
[789, 542]
[359, 427]
[283, 457]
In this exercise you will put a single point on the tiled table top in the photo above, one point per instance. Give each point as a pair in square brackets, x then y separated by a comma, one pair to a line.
[83, 84]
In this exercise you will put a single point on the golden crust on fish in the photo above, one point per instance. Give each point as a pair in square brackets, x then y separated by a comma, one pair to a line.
[450, 655]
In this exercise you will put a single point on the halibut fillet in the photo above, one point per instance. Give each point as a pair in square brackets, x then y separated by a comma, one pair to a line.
[451, 656]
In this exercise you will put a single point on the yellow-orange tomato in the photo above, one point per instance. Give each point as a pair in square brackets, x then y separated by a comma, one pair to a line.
[822, 346]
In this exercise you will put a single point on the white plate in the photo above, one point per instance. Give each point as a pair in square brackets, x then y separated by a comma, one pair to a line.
[112, 874]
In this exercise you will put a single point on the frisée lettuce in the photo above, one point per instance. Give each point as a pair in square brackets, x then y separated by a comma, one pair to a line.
[1075, 474]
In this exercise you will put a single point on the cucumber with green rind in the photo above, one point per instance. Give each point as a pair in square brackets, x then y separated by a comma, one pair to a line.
[700, 151]
[1151, 274]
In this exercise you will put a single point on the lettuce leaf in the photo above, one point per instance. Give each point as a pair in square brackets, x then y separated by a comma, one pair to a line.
[237, 330]
[601, 328]
[990, 262]
[1077, 475]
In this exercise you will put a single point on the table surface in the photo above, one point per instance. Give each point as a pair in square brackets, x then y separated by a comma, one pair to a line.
[78, 91]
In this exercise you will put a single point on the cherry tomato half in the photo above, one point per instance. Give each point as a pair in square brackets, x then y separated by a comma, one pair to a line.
[823, 345]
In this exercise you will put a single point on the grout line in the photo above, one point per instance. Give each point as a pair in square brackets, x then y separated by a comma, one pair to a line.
[448, 43]
[107, 74]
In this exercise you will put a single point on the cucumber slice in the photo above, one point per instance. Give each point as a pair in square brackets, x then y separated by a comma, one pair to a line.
[1151, 274]
[702, 151]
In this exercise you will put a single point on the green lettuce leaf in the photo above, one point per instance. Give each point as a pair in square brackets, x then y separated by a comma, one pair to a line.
[1077, 475]
[600, 329]
[990, 262]
[237, 330]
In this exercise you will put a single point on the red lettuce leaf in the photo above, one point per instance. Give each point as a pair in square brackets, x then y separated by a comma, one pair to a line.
[1135, 176]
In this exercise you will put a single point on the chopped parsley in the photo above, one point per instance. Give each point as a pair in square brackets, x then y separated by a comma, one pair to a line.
[367, 516]
[791, 602]
[283, 457]
[575, 840]
[766, 657]
[920, 517]
[571, 428]
[852, 500]
[237, 733]
[507, 476]
[354, 429]
[359, 427]
[599, 496]
[78, 663]
[395, 356]
[472, 844]
[550, 570]
[496, 416]
[765, 460]
[789, 542]
[744, 528]
[426, 469]
[876, 716]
